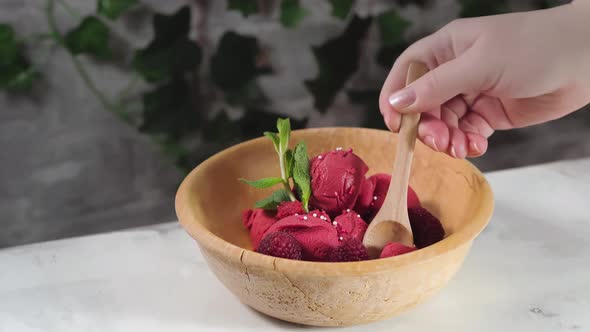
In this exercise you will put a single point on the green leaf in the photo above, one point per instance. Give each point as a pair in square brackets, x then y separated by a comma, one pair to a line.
[114, 8]
[246, 7]
[289, 162]
[263, 183]
[341, 8]
[18, 76]
[476, 8]
[171, 53]
[234, 63]
[168, 110]
[370, 100]
[337, 61]
[301, 175]
[249, 94]
[272, 201]
[274, 138]
[292, 13]
[8, 46]
[392, 27]
[90, 37]
[16, 72]
[284, 127]
[158, 64]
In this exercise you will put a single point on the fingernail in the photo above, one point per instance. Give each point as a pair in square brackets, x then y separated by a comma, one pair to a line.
[402, 99]
[429, 140]
[453, 152]
[474, 147]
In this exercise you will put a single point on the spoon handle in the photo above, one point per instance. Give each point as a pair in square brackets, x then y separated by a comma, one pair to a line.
[405, 151]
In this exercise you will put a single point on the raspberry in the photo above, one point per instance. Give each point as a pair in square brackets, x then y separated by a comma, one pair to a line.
[427, 228]
[395, 249]
[280, 244]
[350, 251]
[286, 209]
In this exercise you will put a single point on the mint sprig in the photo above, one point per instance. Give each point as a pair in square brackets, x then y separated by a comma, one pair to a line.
[263, 183]
[301, 175]
[294, 164]
[271, 202]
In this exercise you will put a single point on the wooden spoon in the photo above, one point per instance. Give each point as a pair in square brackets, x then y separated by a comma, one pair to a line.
[391, 223]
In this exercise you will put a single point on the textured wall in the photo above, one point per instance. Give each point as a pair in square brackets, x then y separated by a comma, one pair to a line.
[68, 167]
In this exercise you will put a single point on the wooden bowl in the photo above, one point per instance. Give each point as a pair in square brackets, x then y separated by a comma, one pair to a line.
[210, 201]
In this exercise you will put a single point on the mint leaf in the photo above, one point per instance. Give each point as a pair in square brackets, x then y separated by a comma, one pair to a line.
[292, 13]
[289, 162]
[274, 138]
[301, 175]
[114, 8]
[246, 7]
[272, 201]
[90, 37]
[341, 8]
[284, 127]
[392, 27]
[263, 183]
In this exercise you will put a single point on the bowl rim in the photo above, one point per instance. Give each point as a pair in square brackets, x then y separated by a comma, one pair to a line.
[187, 216]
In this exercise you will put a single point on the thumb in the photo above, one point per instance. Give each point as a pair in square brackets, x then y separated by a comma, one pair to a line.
[438, 86]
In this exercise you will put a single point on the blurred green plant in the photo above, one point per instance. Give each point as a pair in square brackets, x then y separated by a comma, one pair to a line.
[175, 110]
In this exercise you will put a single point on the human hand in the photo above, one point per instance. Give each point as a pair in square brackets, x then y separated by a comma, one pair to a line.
[493, 73]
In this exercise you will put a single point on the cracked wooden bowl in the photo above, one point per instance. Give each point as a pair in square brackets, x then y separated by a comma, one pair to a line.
[210, 201]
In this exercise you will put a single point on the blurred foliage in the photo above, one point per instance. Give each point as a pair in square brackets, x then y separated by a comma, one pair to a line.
[16, 72]
[292, 13]
[114, 8]
[245, 7]
[473, 8]
[171, 53]
[176, 111]
[90, 37]
[341, 8]
[337, 60]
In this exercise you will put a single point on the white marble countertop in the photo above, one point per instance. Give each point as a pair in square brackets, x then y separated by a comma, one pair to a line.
[528, 271]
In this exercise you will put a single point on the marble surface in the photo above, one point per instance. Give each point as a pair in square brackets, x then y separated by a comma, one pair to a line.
[528, 271]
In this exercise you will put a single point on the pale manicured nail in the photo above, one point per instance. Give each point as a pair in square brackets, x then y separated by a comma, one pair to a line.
[429, 140]
[475, 148]
[402, 99]
[453, 152]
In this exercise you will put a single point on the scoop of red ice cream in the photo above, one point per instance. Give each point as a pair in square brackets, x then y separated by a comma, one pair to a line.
[336, 178]
[372, 195]
[349, 251]
[314, 231]
[350, 225]
[289, 208]
[257, 222]
[395, 249]
[282, 245]
[426, 227]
